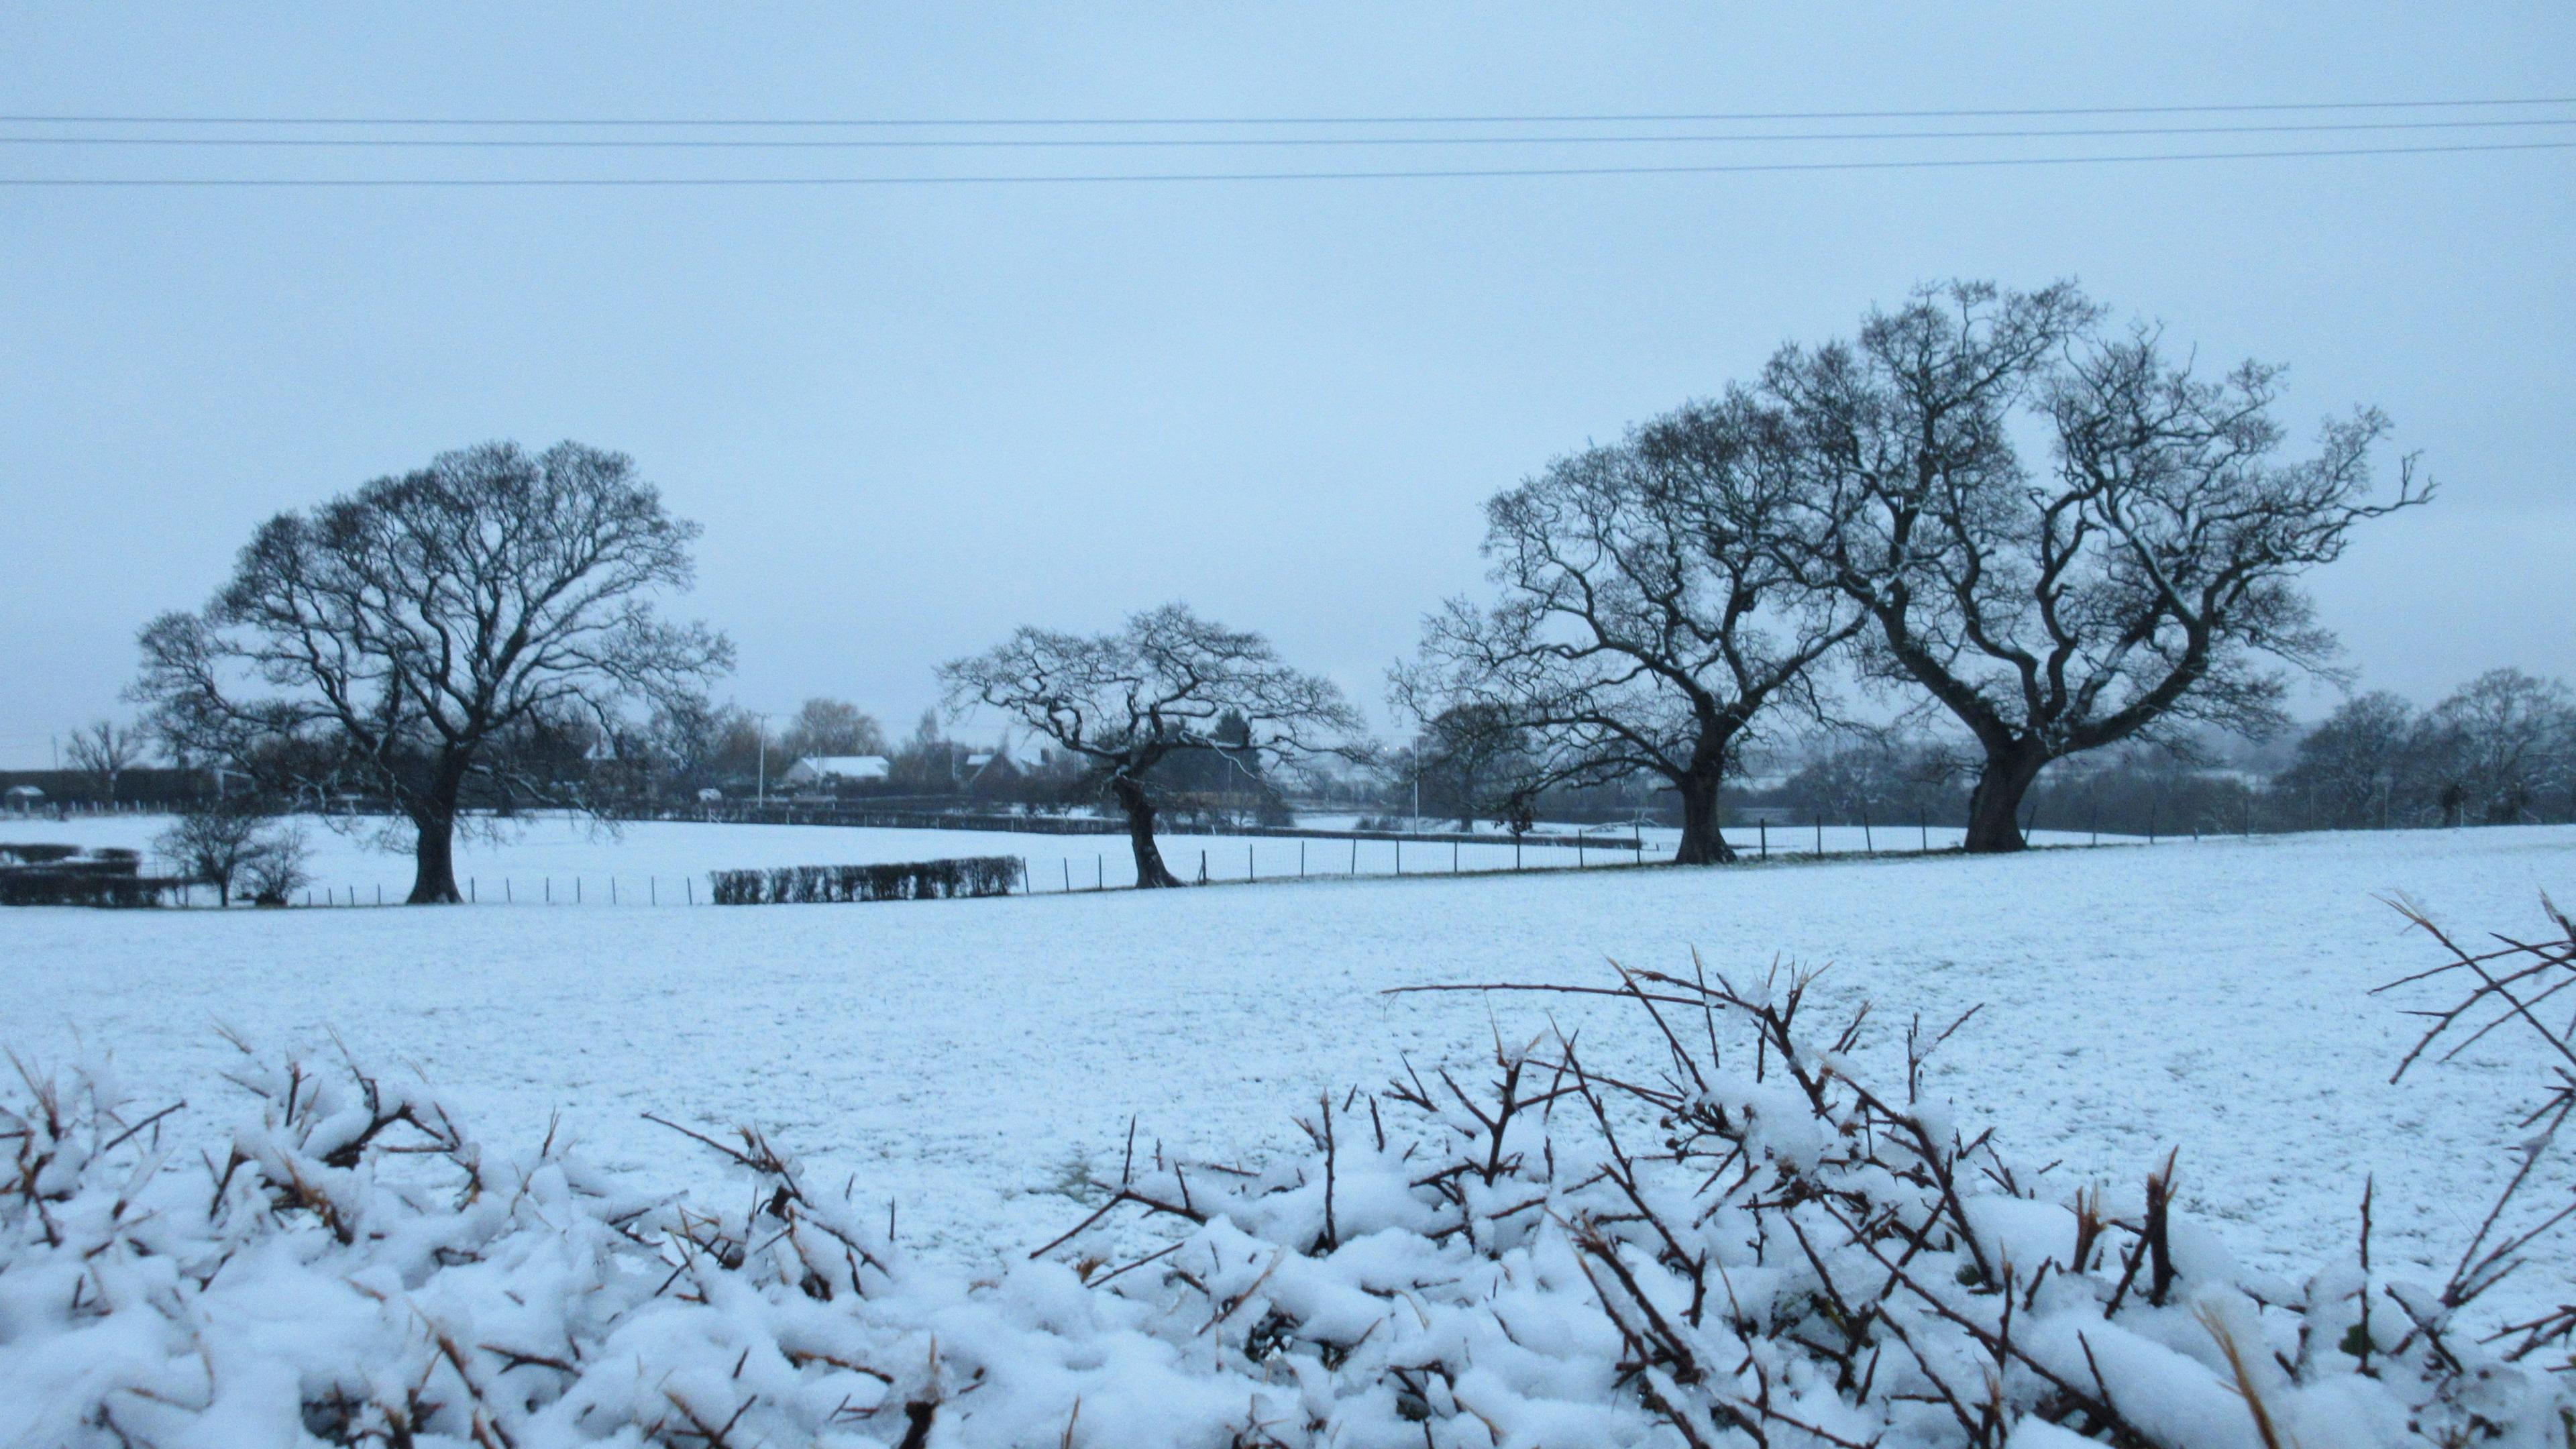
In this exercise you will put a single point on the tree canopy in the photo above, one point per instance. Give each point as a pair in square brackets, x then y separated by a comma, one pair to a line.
[421, 637]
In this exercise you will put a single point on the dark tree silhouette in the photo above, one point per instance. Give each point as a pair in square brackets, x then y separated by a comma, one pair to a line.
[2356, 769]
[400, 639]
[832, 727]
[104, 750]
[2498, 747]
[1162, 685]
[1472, 760]
[1646, 617]
[2144, 580]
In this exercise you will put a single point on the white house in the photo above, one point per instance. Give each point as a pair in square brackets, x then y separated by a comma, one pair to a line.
[825, 771]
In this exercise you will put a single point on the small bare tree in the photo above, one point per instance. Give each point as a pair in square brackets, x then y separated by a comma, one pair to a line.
[402, 639]
[217, 841]
[104, 750]
[1160, 686]
[1646, 617]
[2147, 581]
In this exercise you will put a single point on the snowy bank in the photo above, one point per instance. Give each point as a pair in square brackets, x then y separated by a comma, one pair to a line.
[1746, 1247]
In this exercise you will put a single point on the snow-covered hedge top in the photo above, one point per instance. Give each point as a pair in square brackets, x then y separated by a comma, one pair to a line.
[1753, 1250]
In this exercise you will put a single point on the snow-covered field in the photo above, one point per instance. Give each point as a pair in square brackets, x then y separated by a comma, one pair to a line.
[974, 1061]
[552, 860]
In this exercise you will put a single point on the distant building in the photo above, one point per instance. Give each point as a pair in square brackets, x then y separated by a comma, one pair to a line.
[823, 772]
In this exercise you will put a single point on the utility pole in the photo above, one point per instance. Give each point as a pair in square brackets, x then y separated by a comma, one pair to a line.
[761, 791]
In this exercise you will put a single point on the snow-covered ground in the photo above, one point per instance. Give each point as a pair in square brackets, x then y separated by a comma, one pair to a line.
[973, 1061]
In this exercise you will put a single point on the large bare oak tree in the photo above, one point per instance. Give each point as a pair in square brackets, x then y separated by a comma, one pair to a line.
[1164, 684]
[2144, 576]
[399, 640]
[1646, 619]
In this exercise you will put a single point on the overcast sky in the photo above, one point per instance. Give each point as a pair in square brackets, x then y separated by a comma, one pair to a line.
[912, 417]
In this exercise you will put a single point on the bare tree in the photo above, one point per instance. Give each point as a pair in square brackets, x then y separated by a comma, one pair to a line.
[832, 727]
[218, 840]
[104, 750]
[2497, 746]
[1647, 618]
[1472, 760]
[403, 636]
[2355, 768]
[2146, 581]
[1160, 686]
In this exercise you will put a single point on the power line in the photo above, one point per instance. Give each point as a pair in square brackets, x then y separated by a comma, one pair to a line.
[1228, 142]
[1132, 178]
[1404, 120]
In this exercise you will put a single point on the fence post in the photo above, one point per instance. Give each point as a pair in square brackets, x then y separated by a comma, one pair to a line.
[1820, 837]
[1579, 861]
[550, 890]
[1301, 860]
[1763, 824]
[1202, 867]
[1067, 863]
[652, 890]
[1100, 871]
[576, 890]
[1640, 842]
[507, 897]
[1250, 871]
[472, 897]
[689, 883]
[1355, 857]
[1399, 855]
[1453, 857]
[612, 890]
[1924, 824]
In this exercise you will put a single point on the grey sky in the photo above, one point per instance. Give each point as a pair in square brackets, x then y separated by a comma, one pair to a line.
[913, 417]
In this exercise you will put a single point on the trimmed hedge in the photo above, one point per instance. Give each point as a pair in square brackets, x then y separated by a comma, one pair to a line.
[979, 875]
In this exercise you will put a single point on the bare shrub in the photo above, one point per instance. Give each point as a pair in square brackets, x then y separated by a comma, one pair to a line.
[274, 868]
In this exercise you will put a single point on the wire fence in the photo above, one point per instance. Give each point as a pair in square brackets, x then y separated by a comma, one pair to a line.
[1242, 860]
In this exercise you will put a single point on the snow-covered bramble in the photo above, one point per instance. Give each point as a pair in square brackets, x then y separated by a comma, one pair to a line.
[1753, 1249]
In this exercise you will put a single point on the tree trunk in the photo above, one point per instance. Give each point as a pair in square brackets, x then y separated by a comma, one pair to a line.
[1150, 870]
[433, 880]
[1994, 807]
[1703, 842]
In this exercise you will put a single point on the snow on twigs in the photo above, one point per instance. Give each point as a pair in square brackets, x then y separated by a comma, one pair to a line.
[1749, 1249]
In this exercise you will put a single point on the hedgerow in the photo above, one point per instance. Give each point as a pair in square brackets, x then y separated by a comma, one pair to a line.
[976, 875]
[1753, 1248]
